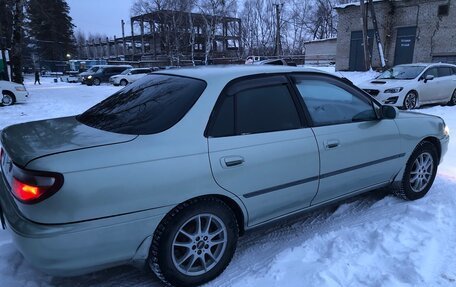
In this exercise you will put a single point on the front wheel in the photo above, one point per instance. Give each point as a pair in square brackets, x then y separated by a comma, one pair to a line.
[194, 243]
[96, 82]
[420, 172]
[410, 101]
[123, 82]
[452, 101]
[7, 100]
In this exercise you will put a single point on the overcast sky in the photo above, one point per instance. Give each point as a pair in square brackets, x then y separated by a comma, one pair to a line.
[101, 16]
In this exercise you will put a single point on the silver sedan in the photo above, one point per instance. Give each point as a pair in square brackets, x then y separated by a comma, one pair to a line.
[172, 169]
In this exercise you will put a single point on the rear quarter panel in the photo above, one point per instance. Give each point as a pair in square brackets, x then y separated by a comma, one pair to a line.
[152, 171]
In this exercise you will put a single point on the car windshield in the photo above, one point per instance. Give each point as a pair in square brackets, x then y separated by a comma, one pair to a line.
[402, 73]
[151, 105]
[93, 70]
[126, 72]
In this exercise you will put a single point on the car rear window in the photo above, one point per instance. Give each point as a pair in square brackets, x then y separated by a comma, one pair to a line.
[151, 105]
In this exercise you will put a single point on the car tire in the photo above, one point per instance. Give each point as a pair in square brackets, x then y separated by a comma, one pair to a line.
[8, 99]
[123, 82]
[410, 101]
[96, 82]
[452, 101]
[180, 249]
[420, 172]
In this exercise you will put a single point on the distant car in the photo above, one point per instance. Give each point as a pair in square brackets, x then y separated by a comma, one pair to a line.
[173, 168]
[101, 74]
[12, 93]
[412, 85]
[276, 62]
[129, 76]
[71, 77]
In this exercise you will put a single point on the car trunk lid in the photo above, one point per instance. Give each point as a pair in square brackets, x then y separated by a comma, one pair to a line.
[28, 141]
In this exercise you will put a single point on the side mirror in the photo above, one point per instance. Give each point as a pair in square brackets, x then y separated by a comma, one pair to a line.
[389, 112]
[428, 78]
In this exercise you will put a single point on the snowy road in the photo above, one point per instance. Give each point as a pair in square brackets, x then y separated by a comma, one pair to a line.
[373, 240]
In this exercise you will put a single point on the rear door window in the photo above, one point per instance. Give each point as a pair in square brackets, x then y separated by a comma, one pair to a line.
[258, 109]
[151, 105]
[445, 71]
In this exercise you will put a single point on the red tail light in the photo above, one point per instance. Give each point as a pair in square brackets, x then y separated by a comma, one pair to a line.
[31, 186]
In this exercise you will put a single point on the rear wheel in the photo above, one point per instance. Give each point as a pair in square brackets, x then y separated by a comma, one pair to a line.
[410, 101]
[420, 172]
[452, 101]
[194, 243]
[7, 99]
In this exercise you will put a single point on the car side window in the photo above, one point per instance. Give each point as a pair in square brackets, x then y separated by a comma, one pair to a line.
[432, 71]
[256, 110]
[445, 71]
[329, 103]
[454, 71]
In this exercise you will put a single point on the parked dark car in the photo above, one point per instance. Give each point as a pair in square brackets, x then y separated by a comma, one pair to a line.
[101, 74]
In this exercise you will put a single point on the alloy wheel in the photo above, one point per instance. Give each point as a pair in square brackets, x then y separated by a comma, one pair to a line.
[421, 172]
[410, 101]
[199, 244]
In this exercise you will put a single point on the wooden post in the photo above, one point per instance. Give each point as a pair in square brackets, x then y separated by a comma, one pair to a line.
[123, 38]
[377, 34]
[367, 64]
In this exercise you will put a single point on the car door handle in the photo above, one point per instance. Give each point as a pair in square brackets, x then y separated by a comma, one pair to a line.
[231, 161]
[330, 144]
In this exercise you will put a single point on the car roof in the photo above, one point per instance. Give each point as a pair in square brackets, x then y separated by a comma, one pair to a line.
[426, 65]
[231, 72]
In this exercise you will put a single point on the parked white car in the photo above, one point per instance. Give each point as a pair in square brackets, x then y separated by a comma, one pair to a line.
[129, 76]
[412, 85]
[12, 93]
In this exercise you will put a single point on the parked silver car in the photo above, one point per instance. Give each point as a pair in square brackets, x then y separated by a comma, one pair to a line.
[173, 168]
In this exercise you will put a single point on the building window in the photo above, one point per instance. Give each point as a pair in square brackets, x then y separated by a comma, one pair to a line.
[444, 10]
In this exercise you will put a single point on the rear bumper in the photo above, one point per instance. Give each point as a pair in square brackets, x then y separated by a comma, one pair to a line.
[84, 247]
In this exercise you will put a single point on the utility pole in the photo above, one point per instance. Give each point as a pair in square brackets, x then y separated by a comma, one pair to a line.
[377, 34]
[278, 42]
[122, 22]
[367, 63]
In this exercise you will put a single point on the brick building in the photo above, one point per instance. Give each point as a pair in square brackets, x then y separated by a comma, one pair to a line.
[411, 31]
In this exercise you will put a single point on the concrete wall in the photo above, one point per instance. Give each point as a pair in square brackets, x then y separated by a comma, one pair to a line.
[321, 51]
[436, 36]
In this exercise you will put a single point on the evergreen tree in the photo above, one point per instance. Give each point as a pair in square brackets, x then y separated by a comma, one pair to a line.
[50, 27]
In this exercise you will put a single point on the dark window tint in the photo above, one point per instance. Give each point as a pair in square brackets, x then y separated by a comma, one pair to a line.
[224, 124]
[266, 109]
[329, 103]
[275, 63]
[454, 71]
[135, 72]
[150, 105]
[432, 71]
[445, 71]
[256, 110]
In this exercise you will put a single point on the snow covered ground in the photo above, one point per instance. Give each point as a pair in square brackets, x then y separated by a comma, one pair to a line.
[373, 240]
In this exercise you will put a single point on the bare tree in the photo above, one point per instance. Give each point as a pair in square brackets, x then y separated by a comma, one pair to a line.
[213, 12]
